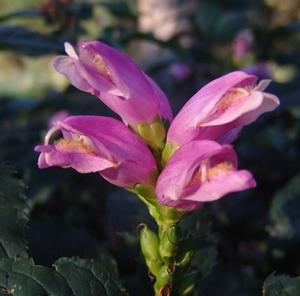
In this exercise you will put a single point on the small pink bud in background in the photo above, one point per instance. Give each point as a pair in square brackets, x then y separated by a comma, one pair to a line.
[198, 172]
[96, 144]
[110, 75]
[180, 71]
[242, 43]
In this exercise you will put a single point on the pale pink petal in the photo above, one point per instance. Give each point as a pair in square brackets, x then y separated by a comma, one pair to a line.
[110, 75]
[232, 181]
[198, 172]
[67, 66]
[221, 108]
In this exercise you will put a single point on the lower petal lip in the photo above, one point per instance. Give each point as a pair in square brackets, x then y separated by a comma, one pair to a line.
[220, 174]
[209, 191]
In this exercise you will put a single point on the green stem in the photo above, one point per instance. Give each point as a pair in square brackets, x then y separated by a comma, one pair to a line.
[160, 250]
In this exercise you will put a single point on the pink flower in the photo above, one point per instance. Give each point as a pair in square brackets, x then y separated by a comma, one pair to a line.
[92, 144]
[110, 75]
[242, 43]
[220, 109]
[198, 172]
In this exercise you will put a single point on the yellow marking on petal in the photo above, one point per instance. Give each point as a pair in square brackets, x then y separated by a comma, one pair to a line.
[101, 65]
[95, 60]
[205, 173]
[74, 144]
[231, 97]
[219, 169]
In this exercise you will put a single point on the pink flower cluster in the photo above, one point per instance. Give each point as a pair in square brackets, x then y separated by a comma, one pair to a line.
[199, 163]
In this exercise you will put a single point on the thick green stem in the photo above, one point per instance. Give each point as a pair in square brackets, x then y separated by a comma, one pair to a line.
[166, 255]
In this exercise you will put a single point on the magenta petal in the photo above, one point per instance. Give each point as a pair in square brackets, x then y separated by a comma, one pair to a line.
[198, 172]
[110, 75]
[246, 110]
[67, 66]
[81, 162]
[99, 144]
[268, 103]
[233, 181]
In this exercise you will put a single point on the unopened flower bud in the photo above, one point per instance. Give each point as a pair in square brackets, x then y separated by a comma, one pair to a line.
[149, 244]
[153, 134]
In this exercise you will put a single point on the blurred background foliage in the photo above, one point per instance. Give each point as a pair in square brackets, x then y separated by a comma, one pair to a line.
[182, 45]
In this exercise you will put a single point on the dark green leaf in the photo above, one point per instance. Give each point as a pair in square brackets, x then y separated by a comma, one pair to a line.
[12, 228]
[88, 277]
[284, 214]
[71, 276]
[12, 221]
[22, 277]
[281, 285]
[11, 188]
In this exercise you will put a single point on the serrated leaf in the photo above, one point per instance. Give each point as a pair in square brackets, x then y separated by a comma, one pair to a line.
[12, 227]
[88, 277]
[71, 277]
[22, 277]
[284, 214]
[281, 285]
[12, 221]
[11, 188]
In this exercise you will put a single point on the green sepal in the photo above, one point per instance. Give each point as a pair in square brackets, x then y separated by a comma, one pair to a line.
[169, 242]
[170, 216]
[168, 151]
[149, 244]
[153, 134]
[154, 265]
[164, 216]
[163, 277]
[146, 191]
[146, 194]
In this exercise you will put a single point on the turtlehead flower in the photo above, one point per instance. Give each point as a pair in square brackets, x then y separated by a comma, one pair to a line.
[220, 109]
[110, 75]
[198, 172]
[96, 144]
